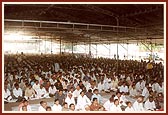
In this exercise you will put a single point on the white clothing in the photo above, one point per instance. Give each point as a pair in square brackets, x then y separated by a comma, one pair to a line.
[7, 93]
[52, 90]
[41, 109]
[149, 105]
[120, 100]
[138, 106]
[100, 87]
[41, 92]
[18, 92]
[138, 86]
[107, 105]
[115, 108]
[70, 101]
[158, 88]
[52, 81]
[129, 109]
[145, 93]
[99, 98]
[36, 87]
[77, 92]
[124, 89]
[56, 107]
[133, 92]
[82, 101]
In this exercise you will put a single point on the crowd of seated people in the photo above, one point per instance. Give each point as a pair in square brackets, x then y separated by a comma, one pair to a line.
[77, 83]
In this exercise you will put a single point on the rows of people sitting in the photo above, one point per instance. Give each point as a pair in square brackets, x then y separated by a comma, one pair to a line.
[70, 78]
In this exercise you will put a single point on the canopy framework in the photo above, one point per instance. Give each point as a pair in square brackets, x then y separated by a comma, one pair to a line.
[79, 32]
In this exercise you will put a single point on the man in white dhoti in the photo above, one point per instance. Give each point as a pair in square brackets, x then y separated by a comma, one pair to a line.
[150, 104]
[7, 94]
[138, 104]
[56, 106]
[43, 105]
[36, 86]
[133, 92]
[82, 101]
[124, 88]
[52, 90]
[116, 107]
[69, 99]
[42, 93]
[129, 106]
[17, 93]
[101, 86]
[145, 92]
[107, 105]
[76, 93]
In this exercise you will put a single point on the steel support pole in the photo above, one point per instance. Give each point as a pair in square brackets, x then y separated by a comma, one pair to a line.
[72, 47]
[96, 50]
[127, 51]
[51, 46]
[60, 46]
[89, 47]
[117, 20]
[45, 45]
[109, 49]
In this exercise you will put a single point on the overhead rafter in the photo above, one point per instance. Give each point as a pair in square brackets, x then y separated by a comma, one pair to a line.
[143, 11]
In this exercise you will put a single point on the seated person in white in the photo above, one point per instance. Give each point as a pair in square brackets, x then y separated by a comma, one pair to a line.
[129, 106]
[30, 93]
[77, 92]
[115, 107]
[56, 106]
[17, 92]
[138, 104]
[52, 90]
[101, 86]
[120, 99]
[133, 92]
[69, 99]
[42, 93]
[43, 105]
[109, 103]
[25, 106]
[92, 87]
[159, 87]
[82, 101]
[145, 92]
[72, 92]
[139, 86]
[97, 95]
[36, 86]
[114, 84]
[150, 104]
[7, 94]
[124, 88]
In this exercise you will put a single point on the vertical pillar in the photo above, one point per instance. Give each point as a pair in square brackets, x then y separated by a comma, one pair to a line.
[89, 47]
[109, 50]
[72, 47]
[51, 46]
[39, 44]
[117, 20]
[96, 50]
[60, 46]
[127, 51]
[45, 45]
